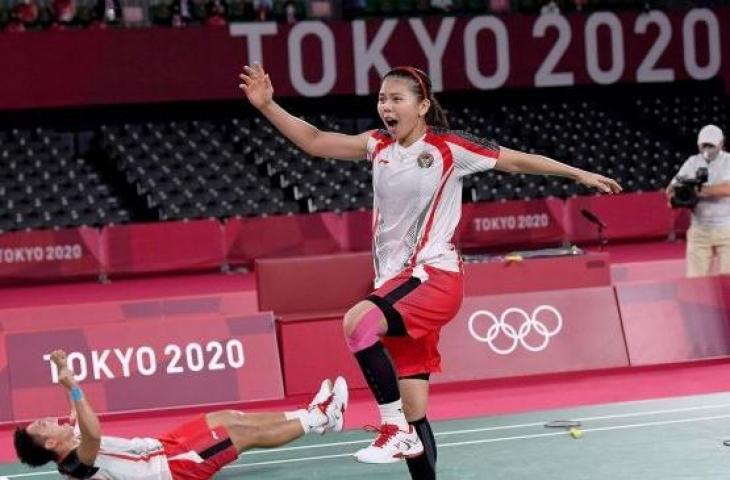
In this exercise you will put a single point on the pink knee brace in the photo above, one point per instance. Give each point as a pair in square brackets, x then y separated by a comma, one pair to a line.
[367, 332]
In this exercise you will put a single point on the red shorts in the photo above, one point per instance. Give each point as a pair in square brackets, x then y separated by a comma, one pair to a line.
[212, 445]
[425, 308]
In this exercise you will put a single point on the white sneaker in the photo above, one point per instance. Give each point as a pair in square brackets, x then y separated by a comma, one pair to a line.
[342, 397]
[341, 391]
[391, 445]
[324, 391]
[332, 408]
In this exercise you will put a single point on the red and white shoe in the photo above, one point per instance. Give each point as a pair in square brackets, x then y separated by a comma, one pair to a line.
[325, 390]
[330, 408]
[391, 445]
[341, 399]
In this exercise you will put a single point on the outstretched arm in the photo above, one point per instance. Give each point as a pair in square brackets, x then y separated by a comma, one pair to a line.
[256, 84]
[520, 162]
[87, 420]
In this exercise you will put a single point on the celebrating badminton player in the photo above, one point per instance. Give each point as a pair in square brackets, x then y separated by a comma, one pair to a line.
[418, 166]
[195, 450]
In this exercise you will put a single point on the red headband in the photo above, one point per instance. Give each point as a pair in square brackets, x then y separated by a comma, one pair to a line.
[414, 72]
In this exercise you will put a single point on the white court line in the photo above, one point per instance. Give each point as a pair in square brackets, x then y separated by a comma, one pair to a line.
[289, 460]
[494, 440]
[31, 474]
[496, 428]
[598, 429]
[453, 444]
[586, 419]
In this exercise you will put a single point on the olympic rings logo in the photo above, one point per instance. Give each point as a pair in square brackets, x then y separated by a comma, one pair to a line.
[519, 335]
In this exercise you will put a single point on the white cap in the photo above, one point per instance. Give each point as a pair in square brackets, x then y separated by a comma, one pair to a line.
[710, 134]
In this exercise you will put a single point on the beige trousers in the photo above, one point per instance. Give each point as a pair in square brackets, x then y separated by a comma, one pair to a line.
[702, 244]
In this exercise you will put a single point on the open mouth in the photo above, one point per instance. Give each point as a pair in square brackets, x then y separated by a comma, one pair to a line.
[390, 122]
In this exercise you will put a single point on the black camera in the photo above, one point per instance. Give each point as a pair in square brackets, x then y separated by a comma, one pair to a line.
[685, 191]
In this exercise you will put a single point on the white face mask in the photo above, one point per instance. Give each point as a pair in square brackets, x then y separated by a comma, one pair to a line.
[709, 153]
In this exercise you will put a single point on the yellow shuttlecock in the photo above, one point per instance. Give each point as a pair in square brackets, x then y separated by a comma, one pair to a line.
[513, 257]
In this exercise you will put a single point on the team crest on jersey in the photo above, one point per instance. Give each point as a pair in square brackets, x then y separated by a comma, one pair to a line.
[425, 160]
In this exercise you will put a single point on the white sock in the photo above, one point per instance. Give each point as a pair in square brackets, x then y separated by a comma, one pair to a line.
[305, 424]
[295, 414]
[308, 418]
[301, 415]
[392, 413]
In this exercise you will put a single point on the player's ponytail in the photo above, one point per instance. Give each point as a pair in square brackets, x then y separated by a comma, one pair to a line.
[436, 115]
[421, 87]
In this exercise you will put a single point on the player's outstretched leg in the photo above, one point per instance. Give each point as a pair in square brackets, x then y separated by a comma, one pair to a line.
[324, 414]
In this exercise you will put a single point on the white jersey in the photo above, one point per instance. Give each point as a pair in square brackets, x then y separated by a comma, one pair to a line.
[417, 198]
[130, 459]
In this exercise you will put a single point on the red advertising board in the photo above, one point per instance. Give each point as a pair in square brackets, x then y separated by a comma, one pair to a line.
[81, 314]
[163, 247]
[47, 255]
[629, 216]
[315, 349]
[675, 320]
[532, 333]
[311, 58]
[315, 285]
[652, 270]
[532, 274]
[359, 226]
[6, 409]
[146, 365]
[495, 224]
[282, 236]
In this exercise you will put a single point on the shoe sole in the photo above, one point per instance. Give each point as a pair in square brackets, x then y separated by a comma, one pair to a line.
[345, 391]
[340, 423]
[326, 388]
[393, 460]
[404, 456]
[341, 392]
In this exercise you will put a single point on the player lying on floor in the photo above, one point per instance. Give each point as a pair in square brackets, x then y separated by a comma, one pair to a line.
[196, 450]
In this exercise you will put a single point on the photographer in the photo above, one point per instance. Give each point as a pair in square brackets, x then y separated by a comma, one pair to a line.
[703, 185]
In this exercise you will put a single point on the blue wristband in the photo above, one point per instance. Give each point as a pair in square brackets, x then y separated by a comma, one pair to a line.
[76, 393]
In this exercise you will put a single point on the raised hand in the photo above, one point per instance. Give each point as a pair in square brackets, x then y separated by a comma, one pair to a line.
[604, 184]
[256, 84]
[65, 375]
[59, 358]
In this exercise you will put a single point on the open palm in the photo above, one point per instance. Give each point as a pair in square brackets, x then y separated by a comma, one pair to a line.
[603, 184]
[256, 85]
